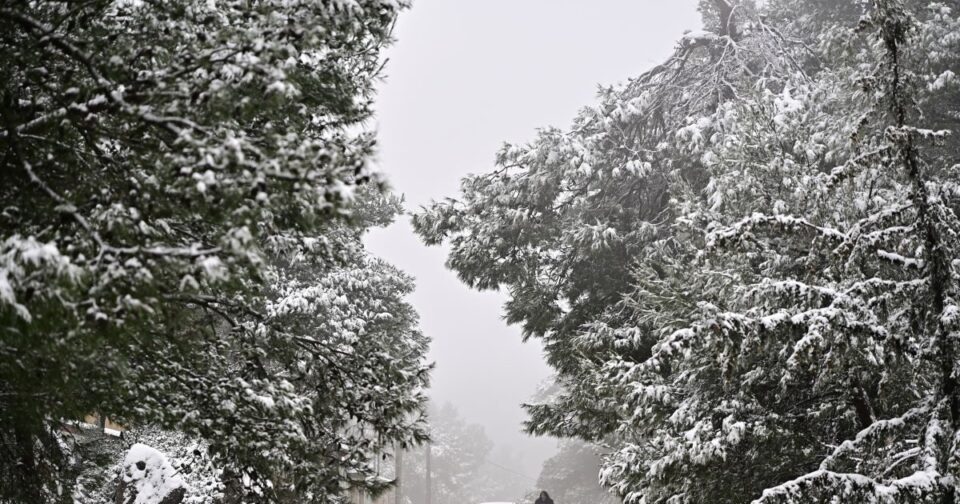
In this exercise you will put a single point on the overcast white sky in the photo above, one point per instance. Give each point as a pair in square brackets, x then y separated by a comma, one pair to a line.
[463, 77]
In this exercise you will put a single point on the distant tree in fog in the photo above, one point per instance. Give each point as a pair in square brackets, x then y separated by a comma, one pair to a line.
[458, 450]
[571, 475]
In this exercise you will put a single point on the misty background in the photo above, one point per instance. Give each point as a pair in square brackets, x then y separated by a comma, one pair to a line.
[462, 78]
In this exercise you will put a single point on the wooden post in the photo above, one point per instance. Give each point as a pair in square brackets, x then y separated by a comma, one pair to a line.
[398, 474]
[429, 476]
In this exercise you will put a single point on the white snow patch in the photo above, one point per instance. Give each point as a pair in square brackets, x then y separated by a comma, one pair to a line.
[150, 473]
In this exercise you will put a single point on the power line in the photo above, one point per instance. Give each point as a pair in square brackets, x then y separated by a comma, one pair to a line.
[515, 473]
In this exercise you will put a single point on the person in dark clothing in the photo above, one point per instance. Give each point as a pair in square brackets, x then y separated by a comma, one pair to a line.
[544, 498]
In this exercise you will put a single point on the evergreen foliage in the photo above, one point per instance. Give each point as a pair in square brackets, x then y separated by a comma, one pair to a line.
[181, 213]
[744, 263]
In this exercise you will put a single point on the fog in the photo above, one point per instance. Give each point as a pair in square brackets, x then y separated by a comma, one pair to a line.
[463, 77]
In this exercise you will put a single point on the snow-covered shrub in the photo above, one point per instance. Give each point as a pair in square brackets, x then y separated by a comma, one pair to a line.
[151, 476]
[109, 464]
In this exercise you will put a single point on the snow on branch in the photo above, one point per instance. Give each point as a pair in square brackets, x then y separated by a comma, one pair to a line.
[852, 487]
[876, 429]
[743, 229]
[849, 168]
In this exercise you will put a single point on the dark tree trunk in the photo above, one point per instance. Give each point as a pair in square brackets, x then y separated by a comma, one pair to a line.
[28, 473]
[120, 490]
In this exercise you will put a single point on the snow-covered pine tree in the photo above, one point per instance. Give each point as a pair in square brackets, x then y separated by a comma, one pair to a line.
[804, 322]
[780, 317]
[802, 334]
[340, 331]
[910, 244]
[179, 203]
[562, 219]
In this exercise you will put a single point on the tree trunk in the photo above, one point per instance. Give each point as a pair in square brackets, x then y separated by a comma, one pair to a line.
[28, 474]
[398, 474]
[120, 490]
[429, 476]
[894, 25]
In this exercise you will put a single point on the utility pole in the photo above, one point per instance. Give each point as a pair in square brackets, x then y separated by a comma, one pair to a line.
[398, 487]
[429, 476]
